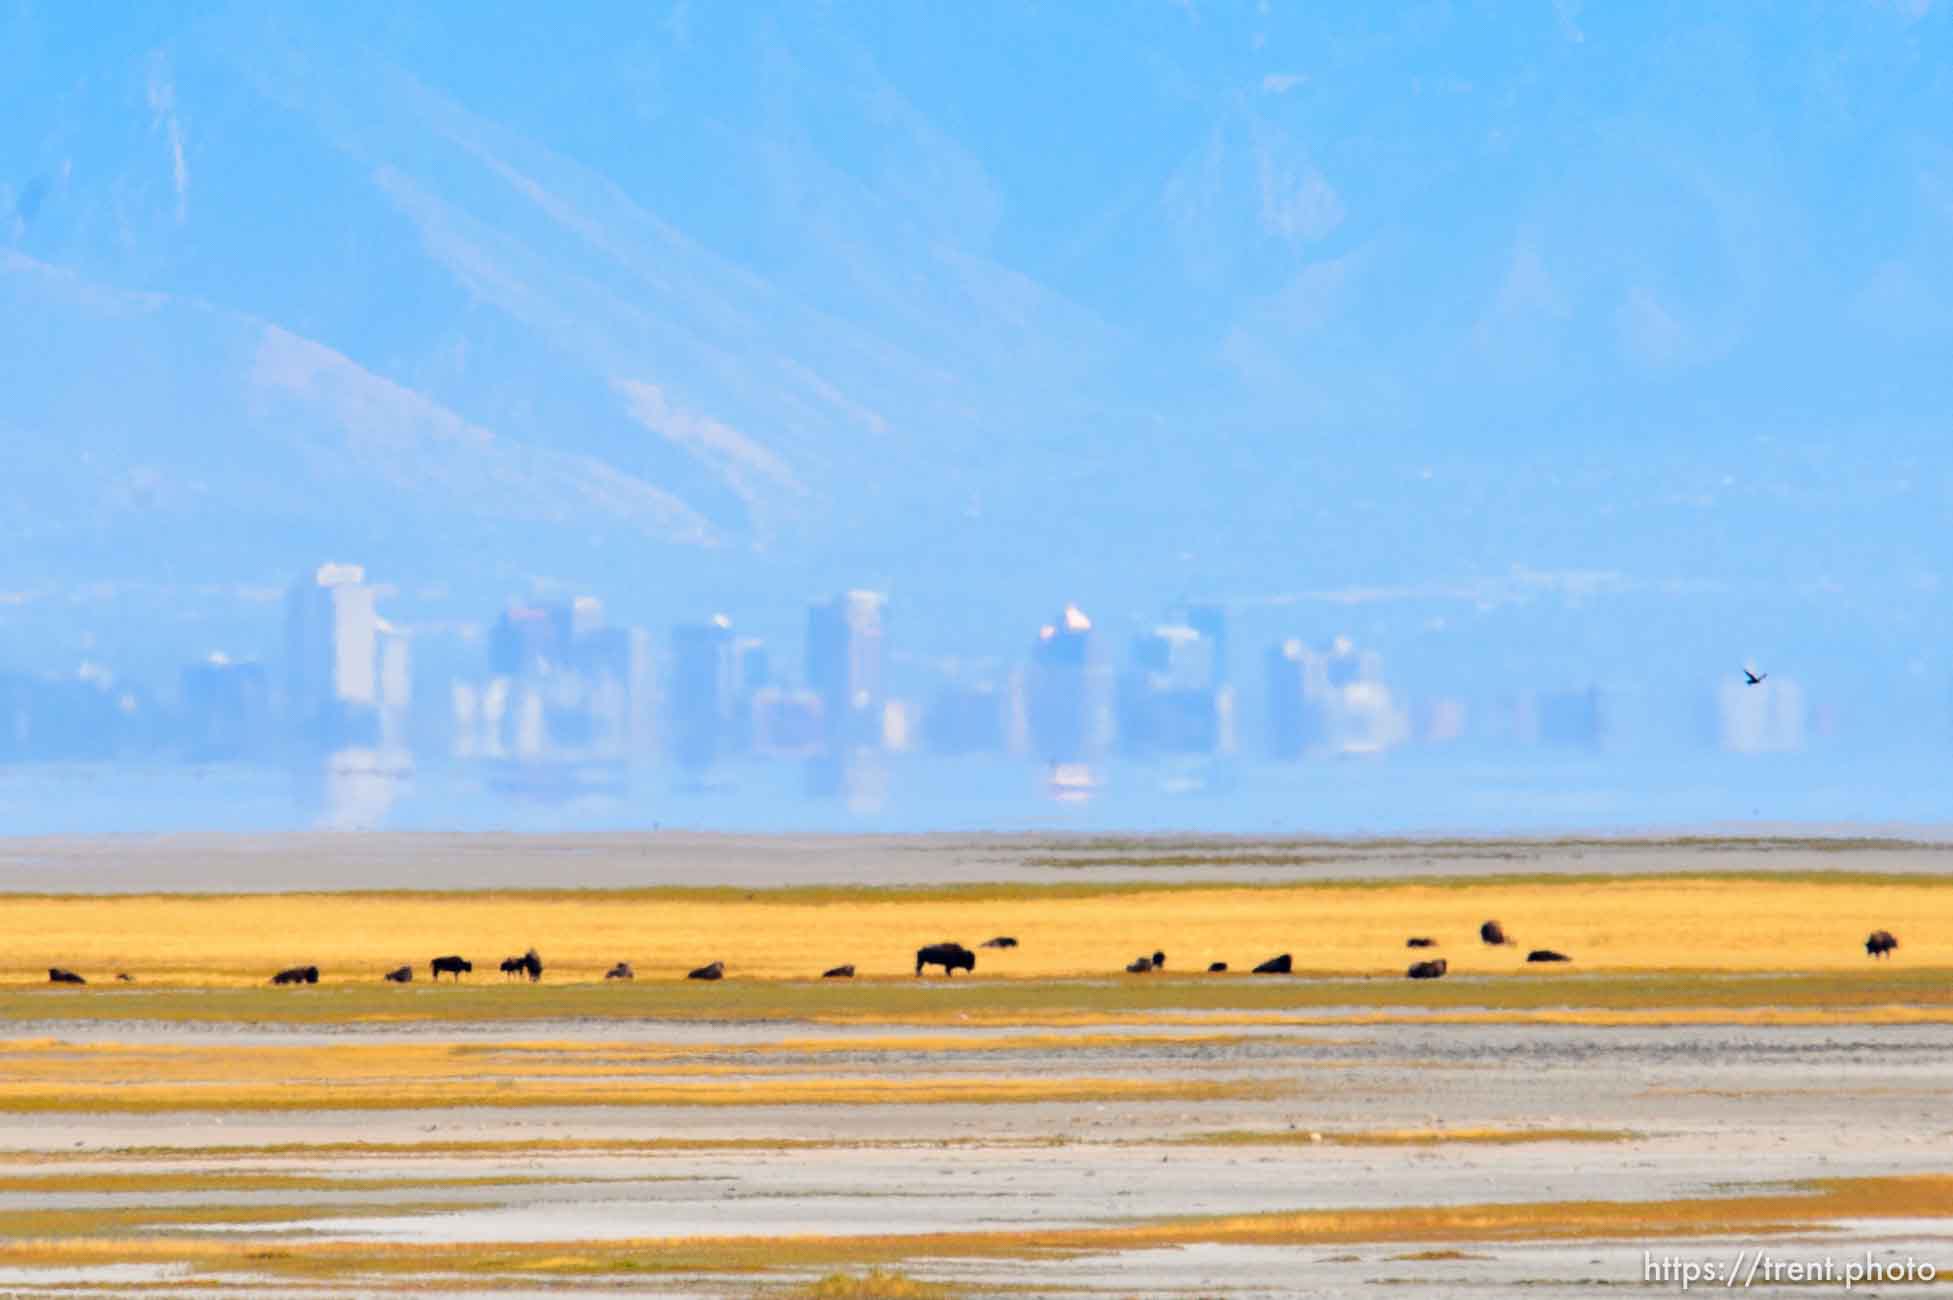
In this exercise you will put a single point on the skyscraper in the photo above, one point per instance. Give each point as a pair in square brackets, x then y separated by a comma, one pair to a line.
[844, 667]
[1058, 698]
[333, 657]
[700, 702]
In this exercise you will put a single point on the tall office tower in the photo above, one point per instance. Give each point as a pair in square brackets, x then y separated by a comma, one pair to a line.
[226, 708]
[700, 701]
[1168, 701]
[844, 667]
[332, 657]
[1057, 689]
[1330, 702]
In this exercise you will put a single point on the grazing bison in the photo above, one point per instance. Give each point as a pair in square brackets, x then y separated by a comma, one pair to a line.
[838, 973]
[527, 964]
[952, 957]
[1217, 968]
[1427, 970]
[1420, 943]
[1546, 954]
[297, 975]
[1001, 941]
[1879, 943]
[400, 975]
[1493, 933]
[1281, 965]
[454, 966]
[621, 971]
[55, 975]
[716, 971]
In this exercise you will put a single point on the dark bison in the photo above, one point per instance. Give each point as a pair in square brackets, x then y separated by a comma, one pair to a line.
[952, 957]
[124, 977]
[621, 971]
[716, 971]
[297, 975]
[1141, 965]
[454, 966]
[400, 975]
[1420, 943]
[1546, 954]
[1493, 933]
[1217, 968]
[1281, 965]
[838, 973]
[55, 975]
[1001, 941]
[527, 964]
[1427, 970]
[1880, 942]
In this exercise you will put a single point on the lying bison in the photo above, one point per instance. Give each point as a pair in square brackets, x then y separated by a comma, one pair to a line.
[527, 964]
[1420, 943]
[1546, 954]
[715, 971]
[621, 971]
[56, 975]
[297, 975]
[455, 966]
[1427, 970]
[1001, 941]
[1879, 943]
[1217, 968]
[124, 977]
[400, 975]
[1493, 933]
[952, 957]
[838, 973]
[1281, 965]
[1141, 965]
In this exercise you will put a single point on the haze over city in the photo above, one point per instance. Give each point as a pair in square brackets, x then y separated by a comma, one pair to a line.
[1499, 385]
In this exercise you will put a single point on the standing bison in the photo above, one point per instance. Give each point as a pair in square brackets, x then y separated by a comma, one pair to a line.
[1879, 943]
[527, 964]
[952, 957]
[455, 966]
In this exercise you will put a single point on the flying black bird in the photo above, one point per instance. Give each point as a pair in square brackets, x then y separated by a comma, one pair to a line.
[1755, 679]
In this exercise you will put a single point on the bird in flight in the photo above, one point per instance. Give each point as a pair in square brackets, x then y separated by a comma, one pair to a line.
[1755, 678]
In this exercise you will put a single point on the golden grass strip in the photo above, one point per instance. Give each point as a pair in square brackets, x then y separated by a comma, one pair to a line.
[1815, 923]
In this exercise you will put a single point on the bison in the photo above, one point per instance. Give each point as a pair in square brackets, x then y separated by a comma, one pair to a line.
[1546, 954]
[1879, 943]
[1428, 970]
[297, 975]
[1281, 965]
[55, 975]
[527, 964]
[1493, 933]
[715, 971]
[1001, 941]
[1217, 968]
[1141, 965]
[838, 973]
[455, 966]
[1420, 943]
[952, 957]
[621, 971]
[124, 977]
[400, 975]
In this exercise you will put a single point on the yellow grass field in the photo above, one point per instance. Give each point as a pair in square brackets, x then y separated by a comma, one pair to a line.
[1815, 923]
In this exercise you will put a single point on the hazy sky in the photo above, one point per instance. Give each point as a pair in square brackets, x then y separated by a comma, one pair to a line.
[1525, 341]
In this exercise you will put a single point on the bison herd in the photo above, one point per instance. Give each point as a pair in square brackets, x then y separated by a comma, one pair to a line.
[952, 957]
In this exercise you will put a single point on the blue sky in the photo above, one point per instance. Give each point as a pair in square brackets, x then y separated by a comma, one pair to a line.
[1535, 339]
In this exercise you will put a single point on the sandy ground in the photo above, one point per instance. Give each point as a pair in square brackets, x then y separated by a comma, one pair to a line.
[247, 863]
[1712, 1110]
